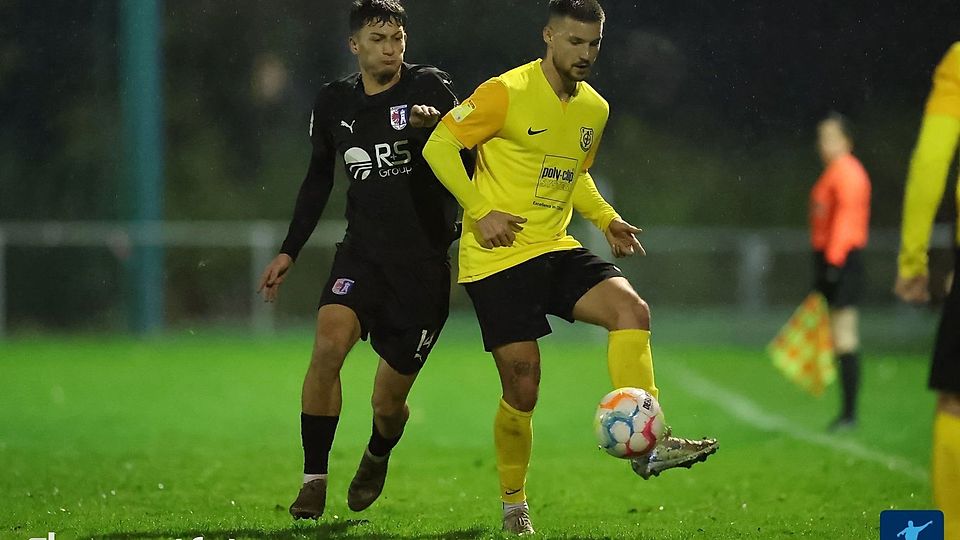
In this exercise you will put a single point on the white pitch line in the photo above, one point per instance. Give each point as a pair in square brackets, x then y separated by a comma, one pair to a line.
[749, 412]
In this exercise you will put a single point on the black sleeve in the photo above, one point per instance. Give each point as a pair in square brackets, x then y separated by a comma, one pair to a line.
[315, 190]
[440, 94]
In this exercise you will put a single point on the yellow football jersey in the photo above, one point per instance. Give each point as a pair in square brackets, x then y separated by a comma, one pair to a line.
[533, 151]
[935, 149]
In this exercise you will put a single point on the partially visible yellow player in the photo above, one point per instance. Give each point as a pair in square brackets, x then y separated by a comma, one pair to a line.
[537, 129]
[936, 147]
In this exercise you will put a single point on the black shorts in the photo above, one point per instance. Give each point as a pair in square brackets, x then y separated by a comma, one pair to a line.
[847, 287]
[945, 371]
[401, 306]
[512, 305]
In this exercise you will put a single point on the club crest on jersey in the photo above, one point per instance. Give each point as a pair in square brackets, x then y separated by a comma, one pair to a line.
[342, 286]
[398, 117]
[586, 138]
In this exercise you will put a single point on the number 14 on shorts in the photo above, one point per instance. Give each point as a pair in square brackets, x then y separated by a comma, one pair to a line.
[426, 341]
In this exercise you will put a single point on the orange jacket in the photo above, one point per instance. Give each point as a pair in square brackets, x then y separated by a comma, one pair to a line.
[840, 209]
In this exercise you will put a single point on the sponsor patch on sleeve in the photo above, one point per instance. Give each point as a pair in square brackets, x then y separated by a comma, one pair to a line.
[462, 111]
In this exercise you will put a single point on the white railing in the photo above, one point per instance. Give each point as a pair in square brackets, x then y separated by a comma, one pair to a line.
[754, 248]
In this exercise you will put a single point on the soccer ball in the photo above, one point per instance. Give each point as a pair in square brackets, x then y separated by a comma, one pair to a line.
[629, 423]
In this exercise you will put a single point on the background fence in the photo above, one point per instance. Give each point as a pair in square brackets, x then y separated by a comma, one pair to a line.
[211, 270]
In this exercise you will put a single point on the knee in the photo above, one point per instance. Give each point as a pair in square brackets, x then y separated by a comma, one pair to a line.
[631, 312]
[389, 406]
[846, 335]
[522, 399]
[523, 389]
[329, 352]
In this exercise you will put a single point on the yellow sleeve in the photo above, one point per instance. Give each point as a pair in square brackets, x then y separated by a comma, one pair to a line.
[945, 97]
[926, 182]
[588, 202]
[481, 116]
[442, 152]
[931, 160]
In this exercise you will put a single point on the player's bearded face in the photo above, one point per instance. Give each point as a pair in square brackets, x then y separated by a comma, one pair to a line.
[379, 48]
[575, 46]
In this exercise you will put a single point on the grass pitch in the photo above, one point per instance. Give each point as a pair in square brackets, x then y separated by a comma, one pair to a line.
[198, 435]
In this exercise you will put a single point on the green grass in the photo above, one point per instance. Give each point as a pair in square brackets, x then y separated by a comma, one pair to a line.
[198, 434]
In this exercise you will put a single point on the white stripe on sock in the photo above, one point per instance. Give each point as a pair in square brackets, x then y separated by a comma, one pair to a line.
[307, 478]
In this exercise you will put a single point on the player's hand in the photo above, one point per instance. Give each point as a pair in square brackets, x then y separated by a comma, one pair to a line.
[915, 290]
[499, 229]
[424, 116]
[273, 276]
[622, 239]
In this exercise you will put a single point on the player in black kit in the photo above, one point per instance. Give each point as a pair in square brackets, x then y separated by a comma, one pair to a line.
[390, 278]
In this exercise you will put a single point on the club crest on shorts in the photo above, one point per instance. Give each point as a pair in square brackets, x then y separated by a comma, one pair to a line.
[342, 286]
[398, 117]
[586, 138]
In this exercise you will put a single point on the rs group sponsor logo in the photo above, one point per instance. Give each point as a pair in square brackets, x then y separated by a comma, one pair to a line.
[389, 160]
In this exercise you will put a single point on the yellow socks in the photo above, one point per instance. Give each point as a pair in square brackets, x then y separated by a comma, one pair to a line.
[630, 360]
[946, 471]
[512, 436]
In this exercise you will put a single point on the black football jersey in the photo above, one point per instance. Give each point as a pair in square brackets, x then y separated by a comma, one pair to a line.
[396, 207]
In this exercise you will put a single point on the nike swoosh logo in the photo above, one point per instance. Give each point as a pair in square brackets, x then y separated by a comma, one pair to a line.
[530, 131]
[514, 492]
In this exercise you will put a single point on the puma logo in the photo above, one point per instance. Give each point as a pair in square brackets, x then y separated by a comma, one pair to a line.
[348, 126]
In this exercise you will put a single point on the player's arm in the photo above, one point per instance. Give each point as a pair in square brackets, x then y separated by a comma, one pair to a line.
[471, 123]
[926, 182]
[439, 98]
[590, 204]
[311, 201]
[927, 177]
[587, 200]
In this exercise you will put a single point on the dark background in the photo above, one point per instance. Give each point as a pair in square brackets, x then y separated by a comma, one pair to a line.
[714, 108]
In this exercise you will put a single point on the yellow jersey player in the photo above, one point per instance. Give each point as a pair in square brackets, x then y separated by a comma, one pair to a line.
[537, 129]
[936, 146]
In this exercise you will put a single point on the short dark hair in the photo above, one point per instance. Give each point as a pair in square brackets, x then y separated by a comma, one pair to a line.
[581, 10]
[843, 122]
[364, 12]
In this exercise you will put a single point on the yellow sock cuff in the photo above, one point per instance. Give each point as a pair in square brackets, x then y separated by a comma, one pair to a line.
[630, 332]
[510, 410]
